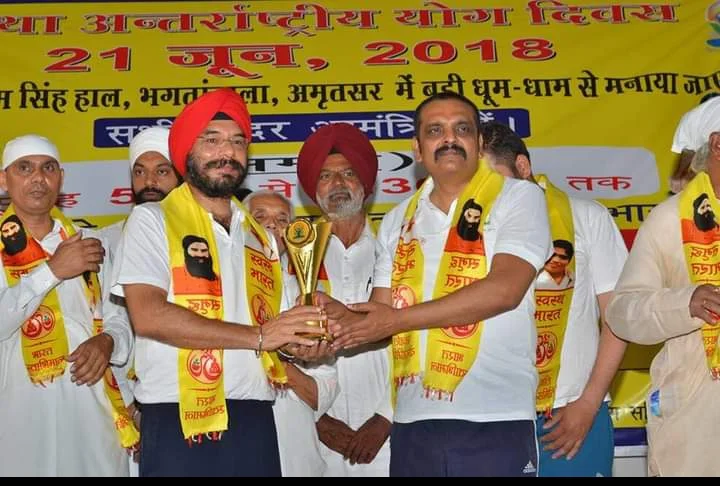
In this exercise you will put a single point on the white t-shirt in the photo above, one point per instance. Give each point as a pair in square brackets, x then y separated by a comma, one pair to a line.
[501, 384]
[142, 258]
[600, 254]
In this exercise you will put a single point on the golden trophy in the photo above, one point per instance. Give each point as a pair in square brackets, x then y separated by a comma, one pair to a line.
[306, 243]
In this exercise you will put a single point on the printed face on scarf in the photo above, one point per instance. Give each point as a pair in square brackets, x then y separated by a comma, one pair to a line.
[13, 237]
[704, 216]
[217, 163]
[33, 183]
[447, 142]
[198, 260]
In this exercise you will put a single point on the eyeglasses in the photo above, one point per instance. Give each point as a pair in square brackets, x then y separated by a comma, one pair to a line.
[560, 256]
[212, 142]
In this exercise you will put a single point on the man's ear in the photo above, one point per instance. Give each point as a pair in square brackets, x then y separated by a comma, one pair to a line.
[3, 180]
[522, 165]
[714, 143]
[416, 150]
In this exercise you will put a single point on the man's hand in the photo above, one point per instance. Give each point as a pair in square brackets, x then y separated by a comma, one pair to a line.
[367, 323]
[284, 328]
[90, 359]
[75, 256]
[570, 425]
[317, 352]
[705, 303]
[368, 440]
[335, 434]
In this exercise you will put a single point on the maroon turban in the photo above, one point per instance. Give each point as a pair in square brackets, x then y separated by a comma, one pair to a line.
[346, 139]
[194, 118]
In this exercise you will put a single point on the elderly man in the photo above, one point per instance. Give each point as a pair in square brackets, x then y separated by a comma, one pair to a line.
[152, 175]
[311, 388]
[204, 357]
[60, 408]
[576, 358]
[337, 167]
[460, 315]
[669, 292]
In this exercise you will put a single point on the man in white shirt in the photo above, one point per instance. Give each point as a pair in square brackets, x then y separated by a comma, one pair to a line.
[459, 307]
[206, 378]
[337, 168]
[57, 336]
[152, 175]
[311, 388]
[578, 439]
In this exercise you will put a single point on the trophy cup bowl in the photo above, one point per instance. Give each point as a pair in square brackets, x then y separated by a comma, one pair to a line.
[306, 243]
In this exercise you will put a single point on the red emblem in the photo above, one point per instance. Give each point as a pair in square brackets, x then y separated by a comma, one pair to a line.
[403, 296]
[546, 348]
[460, 332]
[262, 312]
[40, 324]
[205, 365]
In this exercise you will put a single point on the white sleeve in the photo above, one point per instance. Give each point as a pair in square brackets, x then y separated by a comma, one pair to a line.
[19, 302]
[606, 248]
[326, 378]
[385, 245]
[142, 255]
[522, 223]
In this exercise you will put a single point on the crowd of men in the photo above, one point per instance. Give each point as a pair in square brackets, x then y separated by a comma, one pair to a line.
[477, 333]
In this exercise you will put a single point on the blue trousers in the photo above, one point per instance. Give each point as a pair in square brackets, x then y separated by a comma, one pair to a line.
[248, 448]
[595, 457]
[455, 448]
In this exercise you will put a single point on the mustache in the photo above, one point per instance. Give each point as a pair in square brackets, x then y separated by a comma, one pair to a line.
[148, 190]
[220, 163]
[452, 147]
[340, 192]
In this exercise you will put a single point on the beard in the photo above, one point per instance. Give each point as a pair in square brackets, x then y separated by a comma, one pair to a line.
[448, 148]
[468, 231]
[148, 194]
[341, 203]
[200, 267]
[226, 186]
[15, 244]
[706, 221]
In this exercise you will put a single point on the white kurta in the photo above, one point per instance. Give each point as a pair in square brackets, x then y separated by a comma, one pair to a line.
[364, 372]
[62, 429]
[294, 419]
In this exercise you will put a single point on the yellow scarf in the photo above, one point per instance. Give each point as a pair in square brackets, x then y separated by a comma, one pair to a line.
[552, 306]
[43, 338]
[200, 371]
[702, 253]
[451, 351]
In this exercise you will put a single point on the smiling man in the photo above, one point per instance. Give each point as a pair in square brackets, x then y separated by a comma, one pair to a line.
[205, 355]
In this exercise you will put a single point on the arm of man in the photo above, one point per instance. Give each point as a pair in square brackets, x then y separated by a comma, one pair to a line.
[644, 309]
[156, 318]
[522, 246]
[606, 254]
[303, 385]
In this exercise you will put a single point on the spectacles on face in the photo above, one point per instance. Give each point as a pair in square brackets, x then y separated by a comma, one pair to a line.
[212, 143]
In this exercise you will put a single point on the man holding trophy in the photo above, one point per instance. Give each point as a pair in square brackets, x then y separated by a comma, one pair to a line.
[337, 167]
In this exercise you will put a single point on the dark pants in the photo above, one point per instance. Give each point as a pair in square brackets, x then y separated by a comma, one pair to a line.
[248, 448]
[447, 448]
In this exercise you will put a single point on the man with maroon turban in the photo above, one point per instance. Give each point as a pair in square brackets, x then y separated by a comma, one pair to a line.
[206, 367]
[337, 167]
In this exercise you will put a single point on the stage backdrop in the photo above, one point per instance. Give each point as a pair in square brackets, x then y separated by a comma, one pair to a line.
[595, 88]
